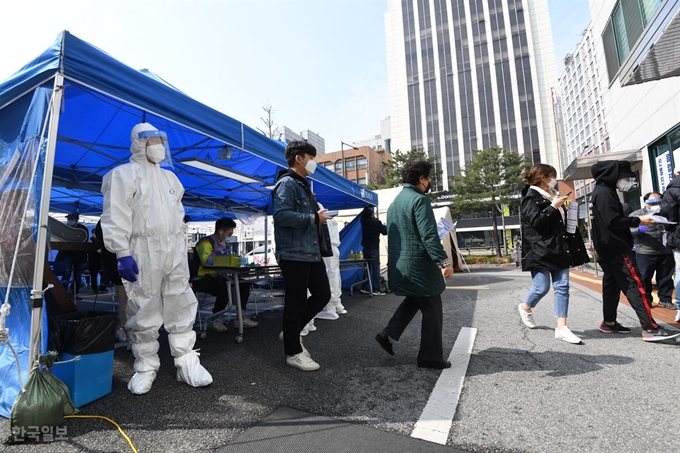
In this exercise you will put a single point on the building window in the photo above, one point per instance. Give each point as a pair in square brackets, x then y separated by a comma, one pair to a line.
[361, 163]
[350, 164]
[338, 166]
[361, 181]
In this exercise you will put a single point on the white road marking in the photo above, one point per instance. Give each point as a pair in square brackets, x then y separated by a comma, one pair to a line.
[437, 416]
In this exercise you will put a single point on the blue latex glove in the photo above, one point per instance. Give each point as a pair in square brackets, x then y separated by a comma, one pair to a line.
[127, 268]
[643, 228]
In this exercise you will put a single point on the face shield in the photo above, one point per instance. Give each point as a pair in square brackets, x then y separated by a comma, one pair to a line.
[626, 184]
[157, 148]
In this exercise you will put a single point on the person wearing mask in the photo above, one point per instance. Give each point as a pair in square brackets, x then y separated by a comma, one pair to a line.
[143, 225]
[74, 261]
[670, 208]
[213, 282]
[549, 250]
[371, 229]
[652, 253]
[302, 240]
[417, 266]
[613, 242]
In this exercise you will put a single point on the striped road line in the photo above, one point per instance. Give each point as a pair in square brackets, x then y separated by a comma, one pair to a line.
[437, 417]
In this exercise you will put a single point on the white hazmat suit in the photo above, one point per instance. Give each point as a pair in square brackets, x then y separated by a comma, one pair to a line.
[334, 306]
[143, 219]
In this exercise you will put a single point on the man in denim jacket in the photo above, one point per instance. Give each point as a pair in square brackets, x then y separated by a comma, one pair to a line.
[302, 239]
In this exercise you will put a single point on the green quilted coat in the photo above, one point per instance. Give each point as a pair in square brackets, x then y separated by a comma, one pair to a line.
[414, 248]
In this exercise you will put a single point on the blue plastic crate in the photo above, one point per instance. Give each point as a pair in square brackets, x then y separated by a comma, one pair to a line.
[89, 378]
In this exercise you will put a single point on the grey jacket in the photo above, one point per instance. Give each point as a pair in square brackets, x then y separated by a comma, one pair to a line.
[651, 242]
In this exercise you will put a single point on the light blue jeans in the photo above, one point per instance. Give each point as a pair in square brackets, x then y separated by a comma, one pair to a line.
[541, 286]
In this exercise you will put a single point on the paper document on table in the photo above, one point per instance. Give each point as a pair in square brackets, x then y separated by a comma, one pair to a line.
[662, 219]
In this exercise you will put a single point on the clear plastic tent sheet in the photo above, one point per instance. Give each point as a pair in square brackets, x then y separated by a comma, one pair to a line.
[20, 182]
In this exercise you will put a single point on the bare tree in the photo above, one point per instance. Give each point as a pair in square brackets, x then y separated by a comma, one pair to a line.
[272, 131]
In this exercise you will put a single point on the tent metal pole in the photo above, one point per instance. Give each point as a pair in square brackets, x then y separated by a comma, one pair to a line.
[39, 266]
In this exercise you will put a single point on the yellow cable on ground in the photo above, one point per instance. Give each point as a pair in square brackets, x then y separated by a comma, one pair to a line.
[132, 446]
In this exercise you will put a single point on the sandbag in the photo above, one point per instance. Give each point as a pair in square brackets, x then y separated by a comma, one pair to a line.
[42, 404]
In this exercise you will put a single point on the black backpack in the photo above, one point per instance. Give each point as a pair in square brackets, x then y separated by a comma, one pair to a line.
[195, 262]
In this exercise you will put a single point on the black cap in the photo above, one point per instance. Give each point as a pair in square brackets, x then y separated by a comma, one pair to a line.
[625, 171]
[73, 216]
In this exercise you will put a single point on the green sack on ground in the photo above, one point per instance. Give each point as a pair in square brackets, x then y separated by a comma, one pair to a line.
[42, 404]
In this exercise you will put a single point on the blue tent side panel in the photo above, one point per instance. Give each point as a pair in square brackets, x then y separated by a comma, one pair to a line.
[350, 240]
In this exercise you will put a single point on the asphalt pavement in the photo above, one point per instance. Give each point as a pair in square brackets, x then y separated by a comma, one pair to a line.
[523, 391]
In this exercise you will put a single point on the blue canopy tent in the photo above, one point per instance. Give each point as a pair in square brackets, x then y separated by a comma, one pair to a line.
[65, 121]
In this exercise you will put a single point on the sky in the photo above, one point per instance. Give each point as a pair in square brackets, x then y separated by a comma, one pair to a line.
[318, 64]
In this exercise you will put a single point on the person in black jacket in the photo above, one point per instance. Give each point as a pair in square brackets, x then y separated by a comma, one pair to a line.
[670, 208]
[614, 243]
[371, 229]
[652, 253]
[549, 250]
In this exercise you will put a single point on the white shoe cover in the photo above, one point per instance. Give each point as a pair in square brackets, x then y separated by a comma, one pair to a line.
[310, 326]
[329, 314]
[141, 382]
[339, 308]
[190, 370]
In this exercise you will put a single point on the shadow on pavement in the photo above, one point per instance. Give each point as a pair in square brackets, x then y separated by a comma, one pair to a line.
[556, 363]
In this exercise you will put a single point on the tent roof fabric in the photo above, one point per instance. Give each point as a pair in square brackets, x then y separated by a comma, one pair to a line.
[104, 99]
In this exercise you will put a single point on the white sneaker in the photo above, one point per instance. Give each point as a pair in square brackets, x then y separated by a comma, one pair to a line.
[527, 318]
[304, 332]
[310, 326]
[565, 334]
[302, 362]
[340, 309]
[217, 325]
[247, 323]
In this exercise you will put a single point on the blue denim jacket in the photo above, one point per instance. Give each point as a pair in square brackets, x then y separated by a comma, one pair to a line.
[295, 230]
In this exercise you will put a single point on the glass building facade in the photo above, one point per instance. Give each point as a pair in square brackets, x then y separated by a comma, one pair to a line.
[471, 74]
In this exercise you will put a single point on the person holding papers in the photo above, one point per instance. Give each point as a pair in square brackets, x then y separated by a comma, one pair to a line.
[652, 253]
[549, 248]
[614, 245]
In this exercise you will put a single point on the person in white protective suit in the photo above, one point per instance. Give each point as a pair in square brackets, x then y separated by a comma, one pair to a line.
[143, 225]
[331, 310]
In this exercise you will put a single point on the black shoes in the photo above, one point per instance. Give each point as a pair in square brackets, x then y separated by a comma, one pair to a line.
[434, 365]
[384, 341]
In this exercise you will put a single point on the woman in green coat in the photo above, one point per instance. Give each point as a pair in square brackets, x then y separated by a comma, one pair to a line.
[417, 265]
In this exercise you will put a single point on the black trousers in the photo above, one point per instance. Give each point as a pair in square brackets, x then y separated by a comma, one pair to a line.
[298, 309]
[431, 329]
[621, 273]
[664, 266]
[217, 286]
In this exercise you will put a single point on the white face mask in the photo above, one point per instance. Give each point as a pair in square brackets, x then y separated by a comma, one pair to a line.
[155, 153]
[625, 184]
[552, 183]
[655, 208]
[70, 222]
[310, 166]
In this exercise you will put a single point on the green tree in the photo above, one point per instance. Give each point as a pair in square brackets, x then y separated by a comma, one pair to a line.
[490, 180]
[392, 168]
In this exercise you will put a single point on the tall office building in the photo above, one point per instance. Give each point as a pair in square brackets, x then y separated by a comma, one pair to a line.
[470, 74]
